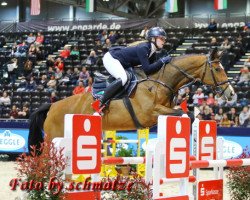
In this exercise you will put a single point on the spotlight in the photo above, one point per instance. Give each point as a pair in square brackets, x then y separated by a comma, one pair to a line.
[4, 3]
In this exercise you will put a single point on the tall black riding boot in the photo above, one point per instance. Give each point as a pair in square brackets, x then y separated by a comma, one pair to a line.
[111, 90]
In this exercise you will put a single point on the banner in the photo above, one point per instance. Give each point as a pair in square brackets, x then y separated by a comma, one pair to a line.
[137, 24]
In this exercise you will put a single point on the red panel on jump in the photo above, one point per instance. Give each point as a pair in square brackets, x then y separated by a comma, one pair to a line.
[174, 198]
[210, 190]
[177, 147]
[89, 195]
[86, 146]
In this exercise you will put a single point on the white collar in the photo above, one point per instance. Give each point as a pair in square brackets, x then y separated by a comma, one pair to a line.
[153, 49]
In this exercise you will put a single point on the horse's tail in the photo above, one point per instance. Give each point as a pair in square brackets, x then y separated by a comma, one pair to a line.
[36, 122]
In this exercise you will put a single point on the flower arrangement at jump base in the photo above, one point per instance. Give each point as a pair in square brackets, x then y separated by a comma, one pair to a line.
[239, 179]
[40, 175]
[130, 188]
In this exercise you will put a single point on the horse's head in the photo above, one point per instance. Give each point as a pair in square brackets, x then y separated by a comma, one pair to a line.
[215, 76]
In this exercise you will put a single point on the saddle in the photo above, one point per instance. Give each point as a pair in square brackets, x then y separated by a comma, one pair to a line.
[101, 82]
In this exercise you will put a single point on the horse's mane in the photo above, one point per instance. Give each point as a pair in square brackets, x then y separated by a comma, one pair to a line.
[186, 56]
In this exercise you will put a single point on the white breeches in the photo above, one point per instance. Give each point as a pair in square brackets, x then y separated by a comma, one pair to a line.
[114, 67]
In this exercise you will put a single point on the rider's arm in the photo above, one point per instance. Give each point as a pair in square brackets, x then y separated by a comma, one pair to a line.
[142, 53]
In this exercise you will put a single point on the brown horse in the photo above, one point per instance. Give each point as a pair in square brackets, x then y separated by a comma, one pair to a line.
[152, 98]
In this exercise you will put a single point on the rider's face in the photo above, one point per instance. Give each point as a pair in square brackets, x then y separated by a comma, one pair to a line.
[160, 41]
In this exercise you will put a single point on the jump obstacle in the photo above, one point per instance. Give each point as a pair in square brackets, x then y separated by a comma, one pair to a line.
[169, 159]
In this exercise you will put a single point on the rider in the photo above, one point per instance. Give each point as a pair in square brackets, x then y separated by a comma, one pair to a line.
[117, 59]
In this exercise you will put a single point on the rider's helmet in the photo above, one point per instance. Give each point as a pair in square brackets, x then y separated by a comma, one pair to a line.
[156, 32]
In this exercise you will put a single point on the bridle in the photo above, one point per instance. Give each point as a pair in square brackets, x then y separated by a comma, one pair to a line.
[216, 86]
[208, 63]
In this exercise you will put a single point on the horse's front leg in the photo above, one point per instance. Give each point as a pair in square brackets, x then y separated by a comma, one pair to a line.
[162, 110]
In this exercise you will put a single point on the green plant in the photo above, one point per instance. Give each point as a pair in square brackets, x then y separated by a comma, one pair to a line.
[135, 188]
[239, 179]
[41, 167]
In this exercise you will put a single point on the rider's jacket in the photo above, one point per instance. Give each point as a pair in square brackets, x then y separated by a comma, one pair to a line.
[137, 55]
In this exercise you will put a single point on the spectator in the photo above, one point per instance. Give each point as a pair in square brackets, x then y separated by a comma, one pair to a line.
[12, 68]
[244, 76]
[144, 32]
[79, 89]
[2, 41]
[225, 44]
[42, 83]
[32, 50]
[58, 75]
[198, 97]
[28, 66]
[22, 85]
[50, 72]
[210, 99]
[207, 113]
[232, 116]
[31, 39]
[75, 53]
[187, 95]
[5, 99]
[247, 62]
[244, 116]
[91, 59]
[216, 106]
[102, 36]
[84, 76]
[59, 64]
[51, 84]
[225, 122]
[232, 102]
[53, 97]
[75, 76]
[112, 37]
[14, 112]
[65, 53]
[213, 42]
[218, 117]
[89, 87]
[212, 27]
[31, 85]
[221, 102]
[107, 44]
[39, 39]
[24, 113]
[237, 122]
[50, 62]
[22, 50]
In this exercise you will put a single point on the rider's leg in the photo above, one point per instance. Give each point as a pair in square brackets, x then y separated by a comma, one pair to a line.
[114, 67]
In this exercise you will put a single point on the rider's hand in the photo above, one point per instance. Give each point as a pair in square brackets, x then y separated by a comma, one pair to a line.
[166, 59]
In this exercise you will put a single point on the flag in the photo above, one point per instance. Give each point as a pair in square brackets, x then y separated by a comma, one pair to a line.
[171, 6]
[34, 7]
[220, 4]
[90, 4]
[183, 106]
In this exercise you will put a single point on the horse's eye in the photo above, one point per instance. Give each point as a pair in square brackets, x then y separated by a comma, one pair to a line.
[217, 69]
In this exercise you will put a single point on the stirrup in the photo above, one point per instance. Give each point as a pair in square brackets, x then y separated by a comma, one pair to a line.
[96, 105]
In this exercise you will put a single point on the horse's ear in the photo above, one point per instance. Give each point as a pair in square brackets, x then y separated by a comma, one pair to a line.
[213, 54]
[221, 53]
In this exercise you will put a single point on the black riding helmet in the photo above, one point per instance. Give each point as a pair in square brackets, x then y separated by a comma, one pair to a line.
[156, 32]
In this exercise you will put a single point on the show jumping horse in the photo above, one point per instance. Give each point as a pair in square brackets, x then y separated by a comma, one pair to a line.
[152, 97]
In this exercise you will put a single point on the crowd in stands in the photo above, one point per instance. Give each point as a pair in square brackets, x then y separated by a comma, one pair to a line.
[70, 72]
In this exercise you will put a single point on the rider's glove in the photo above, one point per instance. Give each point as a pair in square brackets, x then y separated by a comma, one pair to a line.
[166, 59]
